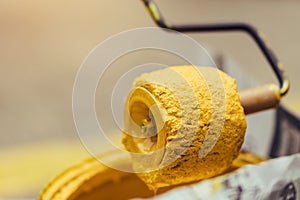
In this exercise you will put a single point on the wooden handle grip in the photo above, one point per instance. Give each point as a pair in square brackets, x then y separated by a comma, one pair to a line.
[260, 98]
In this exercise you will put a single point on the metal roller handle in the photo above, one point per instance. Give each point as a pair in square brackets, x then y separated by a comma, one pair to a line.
[255, 96]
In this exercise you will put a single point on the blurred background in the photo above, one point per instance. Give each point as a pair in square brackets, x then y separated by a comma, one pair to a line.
[43, 43]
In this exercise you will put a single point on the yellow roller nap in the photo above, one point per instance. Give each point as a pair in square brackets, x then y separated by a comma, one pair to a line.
[198, 118]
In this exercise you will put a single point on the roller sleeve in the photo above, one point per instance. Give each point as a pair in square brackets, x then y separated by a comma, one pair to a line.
[183, 124]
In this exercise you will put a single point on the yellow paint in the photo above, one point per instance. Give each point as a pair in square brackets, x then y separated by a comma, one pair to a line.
[91, 180]
[276, 91]
[153, 10]
[210, 96]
